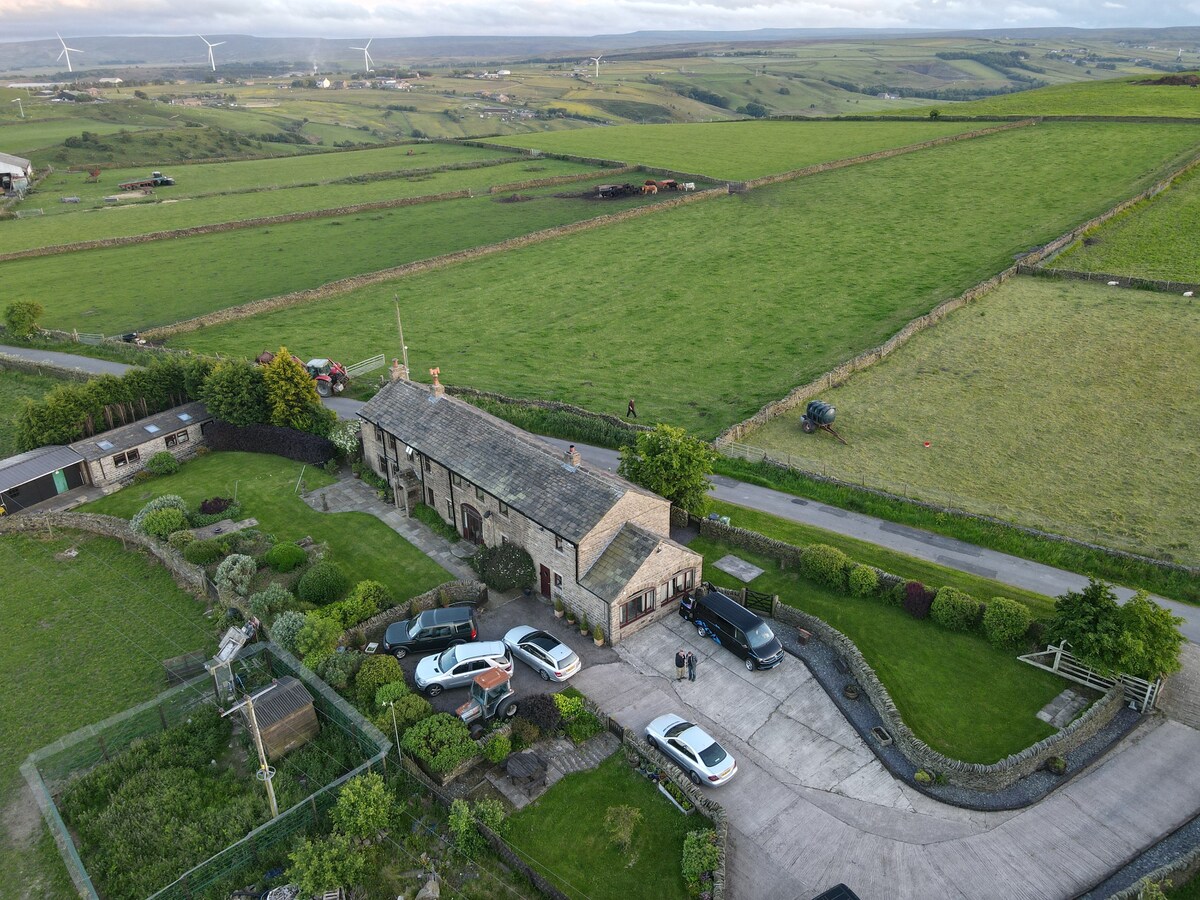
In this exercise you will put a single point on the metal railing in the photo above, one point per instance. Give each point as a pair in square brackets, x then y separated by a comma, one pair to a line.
[1060, 661]
[366, 365]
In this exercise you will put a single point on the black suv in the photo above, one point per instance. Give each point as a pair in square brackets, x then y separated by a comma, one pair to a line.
[430, 631]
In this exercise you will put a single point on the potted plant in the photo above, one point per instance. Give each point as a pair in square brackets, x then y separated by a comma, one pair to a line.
[598, 636]
[570, 616]
[583, 623]
[558, 608]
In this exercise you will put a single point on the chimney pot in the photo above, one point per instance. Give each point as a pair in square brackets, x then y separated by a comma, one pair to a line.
[399, 371]
[437, 389]
[573, 457]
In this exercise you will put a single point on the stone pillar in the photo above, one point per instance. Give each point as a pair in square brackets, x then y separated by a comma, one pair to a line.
[399, 371]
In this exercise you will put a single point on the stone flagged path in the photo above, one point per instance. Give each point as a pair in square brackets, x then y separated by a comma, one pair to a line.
[562, 758]
[1063, 709]
[352, 495]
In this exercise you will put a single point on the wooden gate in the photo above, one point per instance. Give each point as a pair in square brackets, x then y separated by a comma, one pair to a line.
[760, 602]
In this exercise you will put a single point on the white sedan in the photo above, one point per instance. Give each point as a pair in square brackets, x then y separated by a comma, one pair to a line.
[544, 653]
[689, 745]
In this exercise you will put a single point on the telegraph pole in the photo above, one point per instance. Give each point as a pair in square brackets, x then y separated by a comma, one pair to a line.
[400, 328]
[265, 772]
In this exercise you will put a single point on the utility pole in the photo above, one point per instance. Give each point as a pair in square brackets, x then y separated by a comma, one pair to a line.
[265, 771]
[400, 328]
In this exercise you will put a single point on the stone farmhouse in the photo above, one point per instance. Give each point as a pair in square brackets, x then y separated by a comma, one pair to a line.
[599, 543]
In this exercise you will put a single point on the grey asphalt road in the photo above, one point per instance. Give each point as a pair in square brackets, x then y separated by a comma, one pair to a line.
[936, 548]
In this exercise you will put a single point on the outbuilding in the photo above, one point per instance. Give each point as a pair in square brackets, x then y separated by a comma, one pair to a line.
[286, 716]
[39, 475]
[113, 457]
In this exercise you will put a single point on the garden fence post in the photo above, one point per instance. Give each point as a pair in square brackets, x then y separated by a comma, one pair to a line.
[162, 716]
[103, 746]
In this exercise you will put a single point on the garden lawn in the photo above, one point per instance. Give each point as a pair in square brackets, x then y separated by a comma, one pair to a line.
[1156, 239]
[736, 151]
[16, 387]
[1029, 417]
[264, 484]
[89, 635]
[706, 312]
[907, 567]
[1117, 97]
[562, 835]
[956, 692]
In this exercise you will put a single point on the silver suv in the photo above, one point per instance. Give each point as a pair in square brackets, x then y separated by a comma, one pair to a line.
[458, 665]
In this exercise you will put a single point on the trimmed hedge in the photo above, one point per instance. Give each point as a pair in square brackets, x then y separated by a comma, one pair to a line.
[203, 553]
[864, 581]
[1006, 622]
[166, 501]
[917, 599]
[285, 557]
[323, 583]
[162, 463]
[826, 565]
[162, 523]
[955, 609]
[286, 442]
[441, 742]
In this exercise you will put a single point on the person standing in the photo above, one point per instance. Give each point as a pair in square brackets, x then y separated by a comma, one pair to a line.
[680, 664]
[631, 413]
[691, 666]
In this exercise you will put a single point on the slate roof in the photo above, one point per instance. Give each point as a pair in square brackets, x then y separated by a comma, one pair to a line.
[624, 555]
[505, 461]
[277, 704]
[126, 437]
[25, 467]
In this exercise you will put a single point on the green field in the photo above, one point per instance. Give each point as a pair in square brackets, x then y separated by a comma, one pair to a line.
[1156, 239]
[15, 387]
[1067, 406]
[1116, 97]
[957, 692]
[265, 485]
[93, 631]
[135, 287]
[25, 138]
[84, 223]
[706, 312]
[737, 150]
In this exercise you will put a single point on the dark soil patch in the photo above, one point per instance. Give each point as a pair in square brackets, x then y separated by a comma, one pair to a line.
[1191, 80]
[514, 198]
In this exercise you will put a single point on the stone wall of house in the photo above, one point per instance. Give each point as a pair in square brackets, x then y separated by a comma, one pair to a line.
[657, 573]
[107, 476]
[976, 776]
[647, 511]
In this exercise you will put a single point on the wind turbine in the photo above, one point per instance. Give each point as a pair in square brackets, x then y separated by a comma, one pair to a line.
[596, 60]
[212, 62]
[66, 51]
[20, 106]
[366, 54]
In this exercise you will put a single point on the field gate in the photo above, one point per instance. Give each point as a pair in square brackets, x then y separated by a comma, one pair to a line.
[759, 602]
[1141, 693]
[367, 365]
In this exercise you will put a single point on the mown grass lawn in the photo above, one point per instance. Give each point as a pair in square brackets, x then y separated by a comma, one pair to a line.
[908, 567]
[87, 639]
[1064, 405]
[1155, 239]
[956, 692]
[265, 485]
[1115, 97]
[706, 312]
[16, 387]
[562, 835]
[736, 150]
[135, 287]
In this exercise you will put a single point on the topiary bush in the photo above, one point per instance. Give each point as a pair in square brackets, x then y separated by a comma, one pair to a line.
[285, 557]
[505, 567]
[162, 523]
[863, 580]
[284, 629]
[441, 742]
[917, 599]
[826, 565]
[376, 671]
[955, 609]
[1006, 622]
[162, 463]
[234, 573]
[180, 539]
[895, 595]
[166, 501]
[276, 598]
[323, 583]
[203, 553]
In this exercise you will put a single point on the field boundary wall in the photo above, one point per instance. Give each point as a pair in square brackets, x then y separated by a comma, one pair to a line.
[557, 179]
[1125, 281]
[345, 285]
[1043, 117]
[382, 145]
[551, 405]
[42, 368]
[219, 227]
[868, 358]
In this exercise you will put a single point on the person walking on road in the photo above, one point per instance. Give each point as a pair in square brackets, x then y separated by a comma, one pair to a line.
[680, 664]
[631, 413]
[691, 666]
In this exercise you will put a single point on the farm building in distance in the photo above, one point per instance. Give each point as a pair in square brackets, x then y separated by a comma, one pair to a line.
[15, 173]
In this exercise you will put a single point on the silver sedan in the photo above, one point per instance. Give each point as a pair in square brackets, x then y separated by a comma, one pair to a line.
[704, 760]
[544, 653]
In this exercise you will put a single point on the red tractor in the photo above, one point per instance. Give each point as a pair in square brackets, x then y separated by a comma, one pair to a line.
[330, 376]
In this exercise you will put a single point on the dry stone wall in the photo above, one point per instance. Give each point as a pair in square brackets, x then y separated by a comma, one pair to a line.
[1126, 281]
[455, 592]
[557, 179]
[553, 405]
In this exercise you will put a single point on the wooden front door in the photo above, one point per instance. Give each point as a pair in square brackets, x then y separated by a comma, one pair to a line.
[545, 573]
[472, 524]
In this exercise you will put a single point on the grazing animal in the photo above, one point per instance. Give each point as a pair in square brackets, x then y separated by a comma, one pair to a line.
[649, 188]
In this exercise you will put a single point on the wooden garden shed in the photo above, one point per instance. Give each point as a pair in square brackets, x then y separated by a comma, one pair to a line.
[286, 717]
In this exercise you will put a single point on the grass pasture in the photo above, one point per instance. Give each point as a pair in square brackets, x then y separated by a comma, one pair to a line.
[720, 150]
[1113, 97]
[27, 137]
[1064, 405]
[706, 312]
[1156, 239]
[132, 288]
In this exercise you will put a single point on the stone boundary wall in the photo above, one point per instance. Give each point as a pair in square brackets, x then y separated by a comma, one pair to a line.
[1125, 281]
[977, 776]
[189, 577]
[557, 179]
[551, 405]
[41, 368]
[708, 807]
[1162, 120]
[880, 154]
[247, 157]
[1179, 871]
[218, 227]
[457, 591]
[837, 375]
[345, 285]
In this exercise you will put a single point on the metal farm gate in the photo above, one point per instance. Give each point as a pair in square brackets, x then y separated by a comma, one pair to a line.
[1059, 660]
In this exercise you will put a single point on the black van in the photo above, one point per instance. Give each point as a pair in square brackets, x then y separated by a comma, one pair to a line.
[736, 628]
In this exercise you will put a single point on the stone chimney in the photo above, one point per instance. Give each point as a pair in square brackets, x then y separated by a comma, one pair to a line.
[437, 389]
[399, 371]
[573, 457]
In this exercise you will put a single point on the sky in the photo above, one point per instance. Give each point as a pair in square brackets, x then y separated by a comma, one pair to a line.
[31, 19]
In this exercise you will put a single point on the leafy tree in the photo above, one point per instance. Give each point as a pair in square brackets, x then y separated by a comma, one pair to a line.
[235, 392]
[364, 807]
[21, 318]
[1154, 640]
[671, 463]
[1090, 620]
[292, 399]
[318, 636]
[757, 110]
[318, 865]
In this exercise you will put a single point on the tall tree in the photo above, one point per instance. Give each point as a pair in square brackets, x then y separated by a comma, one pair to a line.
[292, 395]
[1154, 638]
[21, 318]
[236, 392]
[671, 463]
[1090, 620]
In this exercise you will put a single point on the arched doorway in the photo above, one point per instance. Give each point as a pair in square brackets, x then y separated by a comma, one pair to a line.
[472, 524]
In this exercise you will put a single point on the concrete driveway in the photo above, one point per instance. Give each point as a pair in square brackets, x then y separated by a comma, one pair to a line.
[812, 807]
